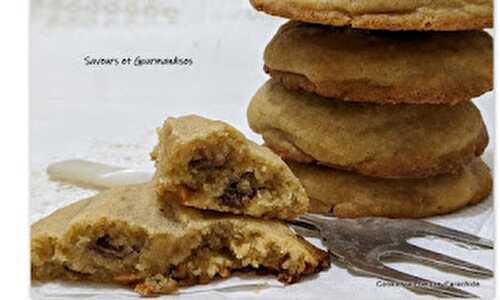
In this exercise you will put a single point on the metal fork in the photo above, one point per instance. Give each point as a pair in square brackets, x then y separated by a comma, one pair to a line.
[361, 245]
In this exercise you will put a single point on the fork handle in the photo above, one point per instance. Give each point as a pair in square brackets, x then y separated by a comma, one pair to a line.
[94, 175]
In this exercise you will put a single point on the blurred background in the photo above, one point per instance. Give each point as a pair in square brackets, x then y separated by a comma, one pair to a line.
[73, 104]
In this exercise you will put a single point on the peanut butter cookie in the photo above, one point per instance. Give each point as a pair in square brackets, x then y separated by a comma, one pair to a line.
[380, 66]
[349, 195]
[405, 140]
[210, 165]
[441, 15]
[127, 236]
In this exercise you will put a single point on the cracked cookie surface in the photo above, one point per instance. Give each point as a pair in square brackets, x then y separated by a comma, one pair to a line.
[127, 236]
[394, 141]
[380, 66]
[440, 15]
[210, 165]
[349, 195]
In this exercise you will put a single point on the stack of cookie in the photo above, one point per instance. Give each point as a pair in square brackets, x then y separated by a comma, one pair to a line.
[375, 118]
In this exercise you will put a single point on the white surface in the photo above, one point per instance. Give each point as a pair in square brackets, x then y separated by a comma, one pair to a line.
[14, 277]
[109, 114]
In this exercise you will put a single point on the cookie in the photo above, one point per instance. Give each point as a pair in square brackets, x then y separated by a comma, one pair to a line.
[349, 195]
[394, 141]
[440, 15]
[379, 66]
[208, 164]
[127, 236]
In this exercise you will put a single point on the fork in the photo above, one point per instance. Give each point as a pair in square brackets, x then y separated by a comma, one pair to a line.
[361, 245]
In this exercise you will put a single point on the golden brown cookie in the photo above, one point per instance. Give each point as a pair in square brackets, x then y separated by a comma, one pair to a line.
[349, 195]
[379, 66]
[441, 15]
[208, 164]
[405, 140]
[127, 236]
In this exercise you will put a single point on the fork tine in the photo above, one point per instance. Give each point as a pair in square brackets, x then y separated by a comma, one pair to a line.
[456, 235]
[311, 220]
[303, 229]
[440, 260]
[414, 283]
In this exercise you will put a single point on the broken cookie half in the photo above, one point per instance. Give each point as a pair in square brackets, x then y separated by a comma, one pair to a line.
[210, 165]
[126, 236]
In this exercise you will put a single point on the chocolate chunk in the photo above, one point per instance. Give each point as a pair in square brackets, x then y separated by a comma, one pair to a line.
[239, 191]
[72, 272]
[201, 162]
[104, 246]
